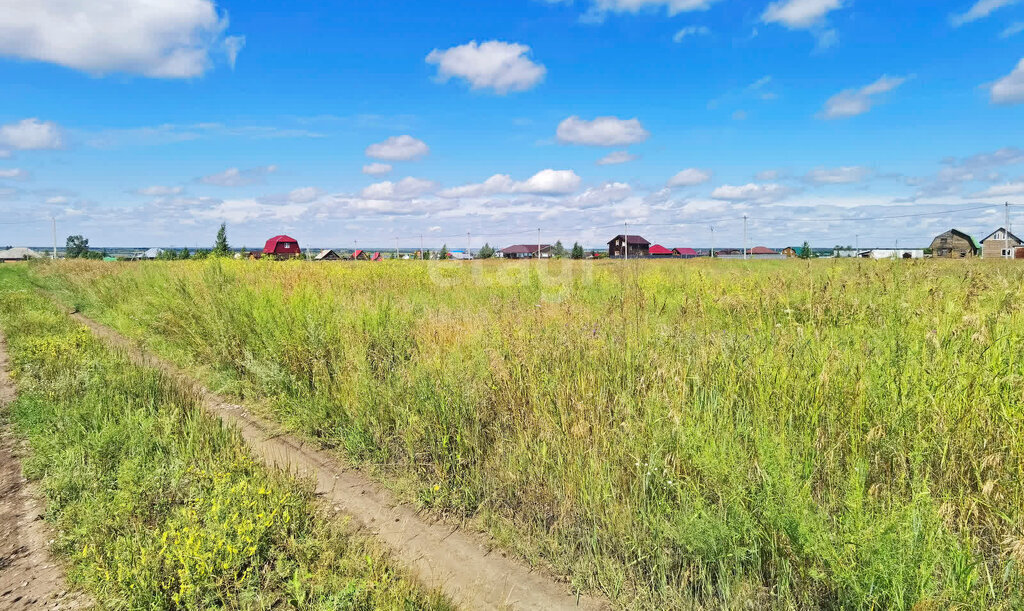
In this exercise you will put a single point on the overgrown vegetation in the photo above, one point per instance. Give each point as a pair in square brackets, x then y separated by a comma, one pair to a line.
[156, 505]
[839, 434]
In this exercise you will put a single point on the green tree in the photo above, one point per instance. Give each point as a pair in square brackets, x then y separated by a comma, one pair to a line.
[486, 252]
[185, 254]
[577, 251]
[444, 252]
[220, 247]
[76, 247]
[558, 251]
[805, 251]
[425, 255]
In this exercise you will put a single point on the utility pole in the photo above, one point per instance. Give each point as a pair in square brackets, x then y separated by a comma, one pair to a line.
[712, 228]
[744, 237]
[421, 248]
[856, 241]
[396, 248]
[469, 245]
[53, 221]
[538, 243]
[625, 239]
[1006, 249]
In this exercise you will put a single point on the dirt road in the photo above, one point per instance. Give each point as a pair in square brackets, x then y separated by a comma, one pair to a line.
[461, 564]
[29, 577]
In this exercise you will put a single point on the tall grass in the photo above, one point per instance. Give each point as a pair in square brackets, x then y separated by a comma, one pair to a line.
[780, 434]
[155, 504]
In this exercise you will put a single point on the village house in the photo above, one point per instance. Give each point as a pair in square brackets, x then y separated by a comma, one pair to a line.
[282, 247]
[637, 247]
[1000, 244]
[328, 255]
[892, 253]
[658, 251]
[19, 254]
[954, 244]
[685, 253]
[525, 251]
[790, 252]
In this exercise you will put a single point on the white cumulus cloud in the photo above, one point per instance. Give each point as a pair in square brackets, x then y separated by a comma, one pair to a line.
[980, 10]
[1010, 188]
[837, 176]
[398, 148]
[407, 188]
[616, 157]
[693, 30]
[689, 177]
[159, 191]
[496, 65]
[800, 14]
[377, 169]
[155, 38]
[751, 192]
[853, 102]
[602, 131]
[673, 7]
[1010, 88]
[13, 174]
[31, 134]
[608, 193]
[234, 177]
[545, 182]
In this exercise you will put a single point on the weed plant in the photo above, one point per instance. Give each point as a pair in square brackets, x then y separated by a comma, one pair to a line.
[824, 434]
[155, 504]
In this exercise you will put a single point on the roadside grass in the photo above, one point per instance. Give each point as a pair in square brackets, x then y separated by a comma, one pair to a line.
[158, 506]
[842, 434]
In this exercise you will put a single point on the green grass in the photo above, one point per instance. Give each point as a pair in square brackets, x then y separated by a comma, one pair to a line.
[839, 434]
[155, 504]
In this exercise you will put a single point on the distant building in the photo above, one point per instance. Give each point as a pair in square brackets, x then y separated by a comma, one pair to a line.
[685, 253]
[19, 254]
[790, 252]
[892, 253]
[525, 251]
[658, 251]
[282, 247]
[637, 246]
[846, 253]
[152, 253]
[360, 255]
[328, 255]
[459, 255]
[1000, 244]
[954, 244]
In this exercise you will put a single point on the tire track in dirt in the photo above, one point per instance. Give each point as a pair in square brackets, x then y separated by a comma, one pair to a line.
[29, 576]
[461, 564]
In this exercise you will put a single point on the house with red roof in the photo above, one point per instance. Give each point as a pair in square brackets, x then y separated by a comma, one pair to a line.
[282, 247]
[685, 253]
[658, 251]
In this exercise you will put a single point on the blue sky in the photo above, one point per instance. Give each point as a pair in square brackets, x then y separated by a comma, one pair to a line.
[150, 124]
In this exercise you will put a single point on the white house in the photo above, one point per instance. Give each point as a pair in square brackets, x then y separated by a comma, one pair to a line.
[893, 253]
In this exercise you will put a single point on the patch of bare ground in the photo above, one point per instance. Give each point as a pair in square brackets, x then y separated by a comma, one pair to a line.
[30, 578]
[463, 565]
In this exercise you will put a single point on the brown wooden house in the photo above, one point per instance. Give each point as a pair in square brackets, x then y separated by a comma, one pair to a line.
[637, 246]
[954, 244]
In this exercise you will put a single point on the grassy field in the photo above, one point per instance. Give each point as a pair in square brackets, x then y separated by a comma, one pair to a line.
[837, 434]
[156, 506]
